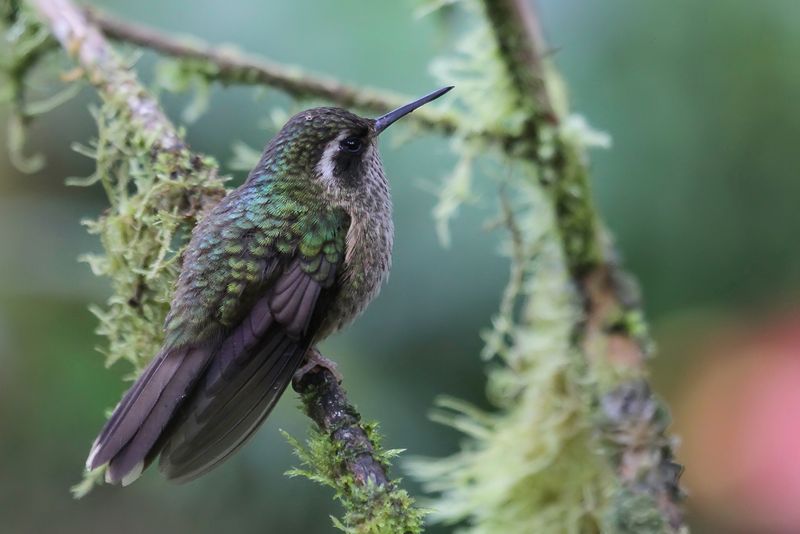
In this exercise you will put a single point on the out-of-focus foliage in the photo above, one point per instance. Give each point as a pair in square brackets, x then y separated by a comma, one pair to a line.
[542, 438]
[26, 45]
[533, 465]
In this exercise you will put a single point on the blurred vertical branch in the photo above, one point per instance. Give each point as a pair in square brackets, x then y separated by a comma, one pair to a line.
[612, 333]
[578, 441]
[618, 421]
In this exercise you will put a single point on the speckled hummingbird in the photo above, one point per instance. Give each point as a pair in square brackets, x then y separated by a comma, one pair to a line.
[283, 261]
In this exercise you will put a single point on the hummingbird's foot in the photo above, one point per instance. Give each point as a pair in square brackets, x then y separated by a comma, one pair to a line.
[313, 360]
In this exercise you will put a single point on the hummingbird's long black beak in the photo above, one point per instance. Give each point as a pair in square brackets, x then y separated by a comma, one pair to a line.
[384, 121]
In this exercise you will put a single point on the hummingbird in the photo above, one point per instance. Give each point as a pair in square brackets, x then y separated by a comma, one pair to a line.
[290, 257]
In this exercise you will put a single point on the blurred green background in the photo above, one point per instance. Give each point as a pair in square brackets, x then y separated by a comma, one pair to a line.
[700, 189]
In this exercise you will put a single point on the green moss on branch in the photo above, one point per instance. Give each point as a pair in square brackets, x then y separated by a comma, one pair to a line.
[345, 454]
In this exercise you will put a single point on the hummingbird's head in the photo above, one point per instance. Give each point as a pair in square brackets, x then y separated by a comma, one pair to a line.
[336, 148]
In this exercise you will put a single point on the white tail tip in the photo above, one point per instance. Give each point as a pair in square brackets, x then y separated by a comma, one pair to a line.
[133, 474]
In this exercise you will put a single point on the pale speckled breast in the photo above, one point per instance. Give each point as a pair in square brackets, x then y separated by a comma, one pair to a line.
[367, 265]
[370, 236]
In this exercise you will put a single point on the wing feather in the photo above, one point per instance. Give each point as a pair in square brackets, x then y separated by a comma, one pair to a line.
[208, 444]
[242, 385]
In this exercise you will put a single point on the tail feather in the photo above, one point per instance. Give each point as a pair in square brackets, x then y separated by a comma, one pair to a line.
[134, 407]
[128, 463]
[234, 411]
[209, 413]
[221, 387]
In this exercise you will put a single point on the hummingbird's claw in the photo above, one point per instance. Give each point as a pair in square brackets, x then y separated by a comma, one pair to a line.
[314, 359]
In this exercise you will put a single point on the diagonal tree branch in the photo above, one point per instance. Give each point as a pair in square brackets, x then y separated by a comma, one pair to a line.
[104, 70]
[324, 399]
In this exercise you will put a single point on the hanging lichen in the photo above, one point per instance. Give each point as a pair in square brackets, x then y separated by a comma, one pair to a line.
[533, 465]
[153, 205]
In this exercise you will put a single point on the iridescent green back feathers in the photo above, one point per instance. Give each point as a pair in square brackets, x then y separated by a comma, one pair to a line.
[247, 239]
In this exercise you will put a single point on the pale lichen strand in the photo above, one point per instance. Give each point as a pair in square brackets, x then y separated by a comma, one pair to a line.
[545, 157]
[26, 46]
[154, 204]
[535, 464]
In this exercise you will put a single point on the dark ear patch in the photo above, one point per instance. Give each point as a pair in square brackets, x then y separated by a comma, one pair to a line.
[349, 165]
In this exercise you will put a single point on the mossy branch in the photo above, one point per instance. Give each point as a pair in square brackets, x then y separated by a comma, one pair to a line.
[87, 46]
[139, 149]
[346, 455]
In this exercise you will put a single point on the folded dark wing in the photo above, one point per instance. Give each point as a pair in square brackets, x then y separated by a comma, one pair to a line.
[247, 375]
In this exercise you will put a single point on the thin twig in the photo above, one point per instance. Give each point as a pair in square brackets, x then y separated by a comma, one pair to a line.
[235, 67]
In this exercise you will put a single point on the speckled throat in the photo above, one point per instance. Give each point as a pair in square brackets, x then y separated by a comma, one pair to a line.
[369, 242]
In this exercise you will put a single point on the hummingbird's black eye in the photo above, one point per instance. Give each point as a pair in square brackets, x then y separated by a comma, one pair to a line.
[351, 144]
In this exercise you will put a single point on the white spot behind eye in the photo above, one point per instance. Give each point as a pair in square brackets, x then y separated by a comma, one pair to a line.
[327, 162]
